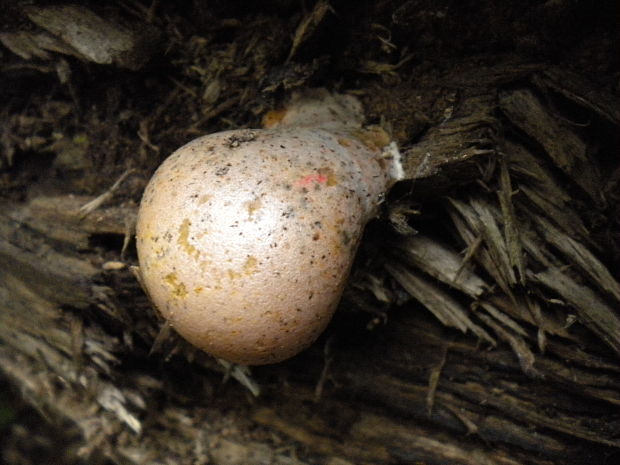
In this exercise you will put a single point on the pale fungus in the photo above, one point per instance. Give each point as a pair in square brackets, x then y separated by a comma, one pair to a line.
[246, 237]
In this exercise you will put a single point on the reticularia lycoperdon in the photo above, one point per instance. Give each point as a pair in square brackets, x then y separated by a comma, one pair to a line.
[246, 237]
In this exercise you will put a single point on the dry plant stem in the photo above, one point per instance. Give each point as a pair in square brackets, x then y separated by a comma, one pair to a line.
[91, 206]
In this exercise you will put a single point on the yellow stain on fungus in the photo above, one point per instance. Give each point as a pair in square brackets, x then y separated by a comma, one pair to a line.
[332, 179]
[178, 289]
[204, 198]
[160, 252]
[183, 239]
[232, 274]
[253, 205]
[249, 268]
[250, 265]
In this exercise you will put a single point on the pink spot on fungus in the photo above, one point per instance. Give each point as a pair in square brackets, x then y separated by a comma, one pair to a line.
[312, 178]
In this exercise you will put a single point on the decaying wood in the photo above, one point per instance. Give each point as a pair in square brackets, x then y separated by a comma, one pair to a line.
[480, 325]
[78, 31]
[68, 332]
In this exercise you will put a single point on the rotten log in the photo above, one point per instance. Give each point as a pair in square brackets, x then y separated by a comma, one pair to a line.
[492, 353]
[480, 323]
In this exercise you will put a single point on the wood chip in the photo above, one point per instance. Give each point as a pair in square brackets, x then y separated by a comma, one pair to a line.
[592, 311]
[441, 304]
[442, 263]
[564, 146]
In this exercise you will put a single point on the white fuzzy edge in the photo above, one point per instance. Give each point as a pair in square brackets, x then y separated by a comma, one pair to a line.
[391, 152]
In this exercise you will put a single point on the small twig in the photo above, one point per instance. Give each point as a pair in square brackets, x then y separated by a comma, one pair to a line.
[472, 428]
[163, 335]
[91, 206]
[469, 253]
[242, 374]
[130, 226]
[433, 379]
[328, 359]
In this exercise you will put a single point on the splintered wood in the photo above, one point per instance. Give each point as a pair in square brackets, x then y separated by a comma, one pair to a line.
[480, 322]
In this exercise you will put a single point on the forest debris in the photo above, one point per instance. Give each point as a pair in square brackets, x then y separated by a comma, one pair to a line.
[375, 428]
[511, 231]
[470, 252]
[443, 306]
[495, 423]
[522, 311]
[433, 378]
[503, 318]
[130, 229]
[292, 75]
[380, 68]
[592, 311]
[242, 374]
[567, 150]
[225, 451]
[72, 153]
[113, 400]
[580, 91]
[95, 38]
[164, 334]
[556, 209]
[103, 297]
[442, 263]
[472, 428]
[487, 226]
[583, 379]
[308, 26]
[328, 358]
[477, 219]
[535, 309]
[29, 45]
[91, 206]
[525, 410]
[598, 274]
[77, 342]
[367, 281]
[36, 264]
[451, 154]
[45, 213]
[518, 345]
[78, 31]
[544, 191]
[32, 128]
[531, 243]
[100, 354]
[323, 440]
[521, 438]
